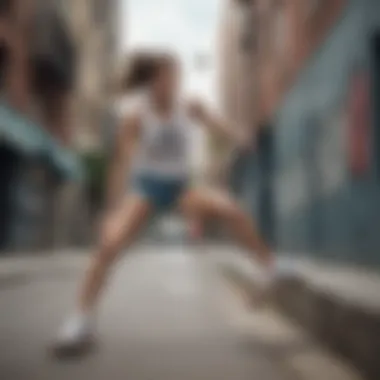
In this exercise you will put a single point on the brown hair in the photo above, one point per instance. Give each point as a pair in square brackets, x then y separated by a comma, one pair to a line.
[142, 67]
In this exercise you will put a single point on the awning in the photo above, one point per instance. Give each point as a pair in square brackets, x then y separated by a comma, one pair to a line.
[30, 139]
[20, 132]
[66, 161]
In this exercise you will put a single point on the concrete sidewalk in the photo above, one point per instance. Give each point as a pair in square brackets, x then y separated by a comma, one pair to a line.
[15, 268]
[340, 305]
[168, 315]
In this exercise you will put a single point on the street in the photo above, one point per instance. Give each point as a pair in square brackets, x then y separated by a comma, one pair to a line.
[166, 315]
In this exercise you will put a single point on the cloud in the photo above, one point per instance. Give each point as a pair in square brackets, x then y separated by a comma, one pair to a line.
[182, 24]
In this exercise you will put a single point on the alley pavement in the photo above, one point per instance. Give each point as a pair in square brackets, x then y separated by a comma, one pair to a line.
[167, 314]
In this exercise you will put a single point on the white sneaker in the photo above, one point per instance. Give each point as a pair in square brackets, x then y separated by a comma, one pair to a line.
[75, 337]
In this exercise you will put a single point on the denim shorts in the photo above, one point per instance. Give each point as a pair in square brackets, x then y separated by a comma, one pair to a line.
[162, 193]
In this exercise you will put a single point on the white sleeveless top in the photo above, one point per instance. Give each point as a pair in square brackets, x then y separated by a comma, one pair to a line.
[164, 147]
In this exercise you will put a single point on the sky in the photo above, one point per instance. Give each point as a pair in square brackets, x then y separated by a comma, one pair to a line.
[188, 27]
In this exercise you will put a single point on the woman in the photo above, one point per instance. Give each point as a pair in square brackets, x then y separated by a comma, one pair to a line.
[153, 148]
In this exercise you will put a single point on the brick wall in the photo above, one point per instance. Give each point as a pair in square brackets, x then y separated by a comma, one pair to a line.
[289, 32]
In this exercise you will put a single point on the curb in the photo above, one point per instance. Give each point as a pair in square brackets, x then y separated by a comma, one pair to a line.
[348, 329]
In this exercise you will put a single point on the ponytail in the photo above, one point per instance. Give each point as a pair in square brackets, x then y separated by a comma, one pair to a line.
[142, 68]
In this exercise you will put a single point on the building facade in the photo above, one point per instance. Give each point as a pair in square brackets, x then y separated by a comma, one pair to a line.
[37, 69]
[314, 177]
[334, 172]
[289, 33]
[237, 80]
[95, 27]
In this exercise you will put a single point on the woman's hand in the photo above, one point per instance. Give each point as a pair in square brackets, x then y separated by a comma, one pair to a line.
[239, 136]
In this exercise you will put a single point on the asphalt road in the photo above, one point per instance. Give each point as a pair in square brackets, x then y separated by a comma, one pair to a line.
[166, 315]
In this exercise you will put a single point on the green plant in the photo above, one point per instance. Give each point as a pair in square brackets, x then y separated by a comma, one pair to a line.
[95, 165]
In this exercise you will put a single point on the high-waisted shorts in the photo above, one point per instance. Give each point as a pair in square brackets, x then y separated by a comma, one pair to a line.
[162, 193]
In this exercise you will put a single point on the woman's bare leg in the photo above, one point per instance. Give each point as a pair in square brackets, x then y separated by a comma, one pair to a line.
[119, 230]
[213, 203]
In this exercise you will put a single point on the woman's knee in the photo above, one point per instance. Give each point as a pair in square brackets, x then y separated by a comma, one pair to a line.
[110, 244]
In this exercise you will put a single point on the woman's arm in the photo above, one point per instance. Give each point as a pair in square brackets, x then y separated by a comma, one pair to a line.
[126, 141]
[218, 126]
